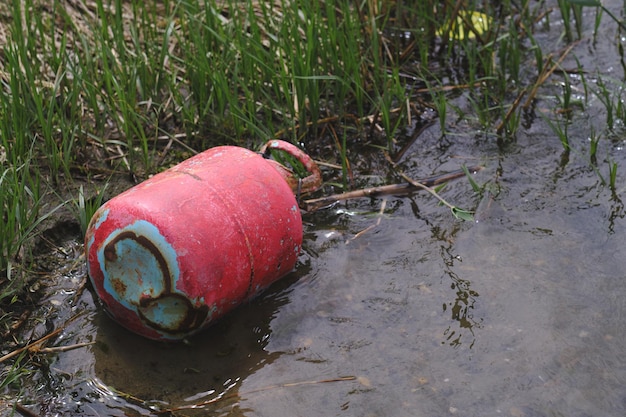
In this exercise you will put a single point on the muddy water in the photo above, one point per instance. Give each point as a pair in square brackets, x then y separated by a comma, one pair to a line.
[398, 309]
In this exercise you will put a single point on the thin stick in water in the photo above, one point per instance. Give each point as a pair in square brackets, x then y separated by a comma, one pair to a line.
[393, 189]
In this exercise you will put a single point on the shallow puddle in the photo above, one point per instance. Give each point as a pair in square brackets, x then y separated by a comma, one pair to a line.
[396, 308]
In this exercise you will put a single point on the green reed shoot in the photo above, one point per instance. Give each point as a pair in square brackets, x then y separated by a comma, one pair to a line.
[568, 11]
[86, 207]
[612, 175]
[606, 98]
[560, 128]
[477, 188]
[19, 197]
[597, 4]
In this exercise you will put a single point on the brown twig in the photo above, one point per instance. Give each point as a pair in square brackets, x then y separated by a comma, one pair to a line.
[66, 348]
[416, 134]
[393, 189]
[509, 113]
[36, 345]
[545, 74]
[25, 411]
[19, 322]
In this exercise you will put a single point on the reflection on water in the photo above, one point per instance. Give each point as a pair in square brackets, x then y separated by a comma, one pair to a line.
[124, 374]
[462, 308]
[616, 212]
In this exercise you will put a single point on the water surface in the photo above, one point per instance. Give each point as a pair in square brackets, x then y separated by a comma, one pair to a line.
[398, 309]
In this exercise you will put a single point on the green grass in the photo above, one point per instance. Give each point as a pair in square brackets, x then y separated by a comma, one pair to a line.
[95, 88]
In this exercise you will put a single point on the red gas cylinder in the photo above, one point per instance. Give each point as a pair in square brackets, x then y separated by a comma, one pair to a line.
[178, 251]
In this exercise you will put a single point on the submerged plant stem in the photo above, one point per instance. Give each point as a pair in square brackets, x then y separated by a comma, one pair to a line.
[270, 387]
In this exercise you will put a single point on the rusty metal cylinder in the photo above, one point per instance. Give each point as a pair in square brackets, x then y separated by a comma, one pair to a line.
[173, 254]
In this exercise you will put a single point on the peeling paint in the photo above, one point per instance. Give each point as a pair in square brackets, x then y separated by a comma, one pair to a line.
[186, 246]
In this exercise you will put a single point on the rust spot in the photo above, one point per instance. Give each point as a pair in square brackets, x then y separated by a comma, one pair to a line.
[109, 252]
[118, 286]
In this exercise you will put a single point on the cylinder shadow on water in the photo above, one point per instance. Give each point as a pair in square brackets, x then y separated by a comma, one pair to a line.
[207, 370]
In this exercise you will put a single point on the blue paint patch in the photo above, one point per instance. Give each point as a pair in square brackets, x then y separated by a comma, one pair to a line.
[138, 264]
[167, 313]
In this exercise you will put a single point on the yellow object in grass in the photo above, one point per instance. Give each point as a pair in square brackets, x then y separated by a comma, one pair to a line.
[460, 29]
